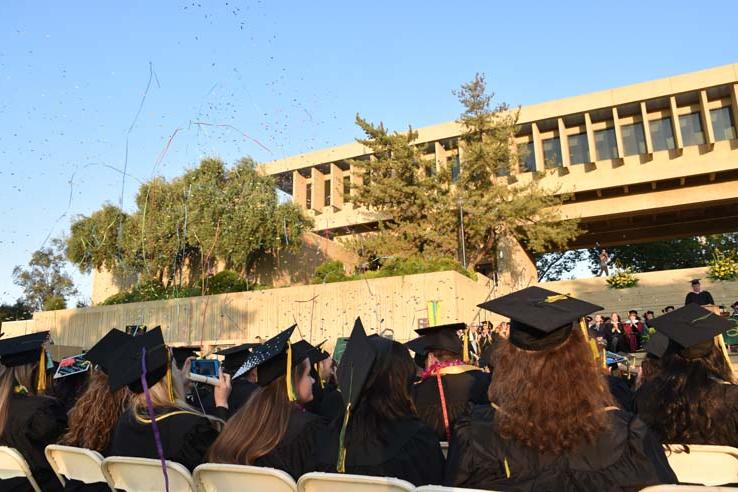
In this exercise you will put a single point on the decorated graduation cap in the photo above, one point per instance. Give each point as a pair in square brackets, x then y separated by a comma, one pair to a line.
[442, 337]
[104, 350]
[353, 372]
[127, 365]
[234, 357]
[691, 329]
[540, 319]
[26, 349]
[181, 354]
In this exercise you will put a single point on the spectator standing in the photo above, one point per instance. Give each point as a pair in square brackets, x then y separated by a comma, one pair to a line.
[604, 259]
[698, 296]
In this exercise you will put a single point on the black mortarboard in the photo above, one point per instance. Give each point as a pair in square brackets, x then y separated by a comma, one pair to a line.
[25, 349]
[417, 345]
[695, 281]
[126, 366]
[657, 345]
[539, 318]
[356, 364]
[234, 357]
[442, 337]
[691, 325]
[104, 350]
[180, 354]
[314, 353]
[271, 358]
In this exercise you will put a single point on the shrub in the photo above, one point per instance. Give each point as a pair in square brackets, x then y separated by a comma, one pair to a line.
[622, 280]
[330, 271]
[54, 303]
[723, 266]
[227, 281]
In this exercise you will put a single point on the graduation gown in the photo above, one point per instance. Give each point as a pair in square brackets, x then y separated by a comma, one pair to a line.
[186, 437]
[626, 456]
[461, 385]
[702, 298]
[725, 431]
[621, 392]
[297, 452]
[33, 423]
[409, 451]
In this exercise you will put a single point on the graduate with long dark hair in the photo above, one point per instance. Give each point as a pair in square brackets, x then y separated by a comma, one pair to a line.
[29, 420]
[692, 398]
[552, 423]
[382, 434]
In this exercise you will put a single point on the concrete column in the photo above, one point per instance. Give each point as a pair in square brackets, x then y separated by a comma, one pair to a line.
[537, 147]
[734, 104]
[618, 133]
[706, 121]
[564, 142]
[318, 189]
[676, 127]
[336, 186]
[440, 156]
[299, 189]
[646, 128]
[590, 137]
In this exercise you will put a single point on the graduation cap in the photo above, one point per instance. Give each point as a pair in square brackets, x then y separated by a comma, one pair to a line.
[25, 349]
[234, 357]
[442, 337]
[180, 354]
[692, 328]
[353, 372]
[126, 366]
[695, 281]
[103, 351]
[69, 366]
[657, 345]
[314, 353]
[417, 345]
[540, 319]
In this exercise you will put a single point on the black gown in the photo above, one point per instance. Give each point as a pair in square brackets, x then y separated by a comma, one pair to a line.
[297, 452]
[185, 437]
[408, 449]
[33, 423]
[725, 432]
[702, 298]
[459, 389]
[622, 393]
[241, 391]
[626, 456]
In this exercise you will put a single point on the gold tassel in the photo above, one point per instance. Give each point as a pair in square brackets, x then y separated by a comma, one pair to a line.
[466, 346]
[724, 350]
[507, 467]
[290, 384]
[317, 371]
[170, 379]
[556, 298]
[341, 465]
[41, 383]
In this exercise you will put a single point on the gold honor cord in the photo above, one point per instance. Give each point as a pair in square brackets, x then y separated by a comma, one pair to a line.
[41, 383]
[290, 384]
[466, 345]
[164, 416]
[170, 379]
[341, 465]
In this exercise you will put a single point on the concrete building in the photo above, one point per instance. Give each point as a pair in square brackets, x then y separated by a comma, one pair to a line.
[639, 163]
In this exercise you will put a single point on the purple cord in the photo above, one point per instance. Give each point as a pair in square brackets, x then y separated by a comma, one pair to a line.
[152, 416]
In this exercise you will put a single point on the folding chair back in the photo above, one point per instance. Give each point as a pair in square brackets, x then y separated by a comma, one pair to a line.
[340, 482]
[14, 465]
[145, 475]
[703, 464]
[70, 463]
[216, 477]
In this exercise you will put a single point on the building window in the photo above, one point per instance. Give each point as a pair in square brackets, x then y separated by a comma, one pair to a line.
[526, 157]
[347, 189]
[722, 123]
[327, 192]
[578, 149]
[606, 144]
[634, 140]
[552, 153]
[430, 168]
[455, 164]
[691, 125]
[309, 196]
[662, 134]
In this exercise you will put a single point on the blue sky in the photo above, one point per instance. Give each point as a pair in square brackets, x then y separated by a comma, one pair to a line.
[289, 75]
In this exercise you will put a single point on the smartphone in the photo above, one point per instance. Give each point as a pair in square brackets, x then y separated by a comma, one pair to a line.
[209, 368]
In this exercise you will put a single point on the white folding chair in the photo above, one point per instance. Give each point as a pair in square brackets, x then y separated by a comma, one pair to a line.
[444, 448]
[216, 477]
[687, 488]
[70, 463]
[438, 488]
[14, 465]
[145, 475]
[703, 464]
[340, 482]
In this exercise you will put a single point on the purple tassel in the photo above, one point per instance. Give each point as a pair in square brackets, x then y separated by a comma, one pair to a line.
[152, 416]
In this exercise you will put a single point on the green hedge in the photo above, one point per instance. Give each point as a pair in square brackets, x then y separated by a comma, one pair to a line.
[333, 271]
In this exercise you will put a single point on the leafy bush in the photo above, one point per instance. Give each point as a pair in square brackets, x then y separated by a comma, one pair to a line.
[723, 266]
[622, 280]
[227, 281]
[330, 271]
[54, 303]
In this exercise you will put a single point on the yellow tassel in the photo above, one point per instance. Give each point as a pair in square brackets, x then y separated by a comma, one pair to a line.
[41, 384]
[317, 371]
[341, 465]
[724, 349]
[604, 358]
[170, 379]
[556, 298]
[20, 390]
[466, 346]
[507, 467]
[290, 383]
